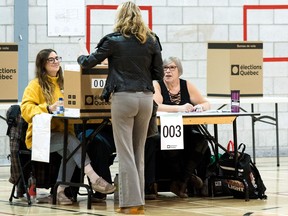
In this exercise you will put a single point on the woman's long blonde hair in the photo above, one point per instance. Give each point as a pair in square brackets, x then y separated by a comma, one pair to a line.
[129, 22]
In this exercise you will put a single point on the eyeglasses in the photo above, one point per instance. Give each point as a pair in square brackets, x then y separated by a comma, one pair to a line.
[52, 60]
[171, 68]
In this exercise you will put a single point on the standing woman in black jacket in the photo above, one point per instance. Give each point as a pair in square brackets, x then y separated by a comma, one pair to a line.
[134, 60]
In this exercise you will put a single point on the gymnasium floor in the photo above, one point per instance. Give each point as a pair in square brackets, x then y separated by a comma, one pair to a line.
[275, 179]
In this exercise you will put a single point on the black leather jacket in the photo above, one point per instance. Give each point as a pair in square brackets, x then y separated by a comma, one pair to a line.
[132, 65]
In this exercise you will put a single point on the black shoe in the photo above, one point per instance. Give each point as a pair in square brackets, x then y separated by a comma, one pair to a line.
[99, 195]
[71, 193]
[196, 181]
[179, 188]
[150, 196]
[151, 192]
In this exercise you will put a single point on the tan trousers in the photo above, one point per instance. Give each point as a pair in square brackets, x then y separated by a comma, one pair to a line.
[131, 112]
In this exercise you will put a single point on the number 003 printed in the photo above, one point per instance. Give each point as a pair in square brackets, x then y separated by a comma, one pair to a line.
[98, 83]
[171, 132]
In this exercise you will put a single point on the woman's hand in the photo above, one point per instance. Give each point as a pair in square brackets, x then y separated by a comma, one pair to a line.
[190, 108]
[186, 108]
[53, 107]
[198, 108]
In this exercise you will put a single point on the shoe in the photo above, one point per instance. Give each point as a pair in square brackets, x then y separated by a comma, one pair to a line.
[71, 193]
[150, 196]
[151, 191]
[46, 199]
[179, 188]
[196, 181]
[62, 199]
[103, 186]
[131, 210]
[98, 197]
[204, 191]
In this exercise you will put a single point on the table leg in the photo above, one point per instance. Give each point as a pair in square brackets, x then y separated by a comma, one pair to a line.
[235, 146]
[83, 149]
[65, 149]
[277, 133]
[64, 158]
[246, 187]
[253, 134]
[274, 121]
[216, 147]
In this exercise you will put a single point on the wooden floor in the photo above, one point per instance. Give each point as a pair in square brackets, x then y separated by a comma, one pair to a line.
[275, 179]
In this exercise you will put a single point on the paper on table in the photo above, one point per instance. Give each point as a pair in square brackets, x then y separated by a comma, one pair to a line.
[41, 135]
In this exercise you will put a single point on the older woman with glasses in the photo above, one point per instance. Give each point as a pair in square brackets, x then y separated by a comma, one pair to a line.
[41, 96]
[173, 94]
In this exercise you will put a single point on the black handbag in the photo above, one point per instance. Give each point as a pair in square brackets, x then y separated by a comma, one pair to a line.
[247, 174]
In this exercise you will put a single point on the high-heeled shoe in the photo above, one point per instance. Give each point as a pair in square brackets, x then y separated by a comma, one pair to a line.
[131, 210]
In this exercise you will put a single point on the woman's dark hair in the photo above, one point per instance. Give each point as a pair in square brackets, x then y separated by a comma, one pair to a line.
[46, 85]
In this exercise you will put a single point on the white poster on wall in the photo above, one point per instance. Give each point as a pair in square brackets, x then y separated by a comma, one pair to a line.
[66, 18]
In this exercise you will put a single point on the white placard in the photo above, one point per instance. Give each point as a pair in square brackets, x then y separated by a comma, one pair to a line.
[171, 132]
[97, 83]
[66, 18]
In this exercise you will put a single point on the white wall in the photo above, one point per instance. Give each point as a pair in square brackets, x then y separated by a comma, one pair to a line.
[185, 27]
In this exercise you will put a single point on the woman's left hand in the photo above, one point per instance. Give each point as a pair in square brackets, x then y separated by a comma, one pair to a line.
[53, 107]
[198, 108]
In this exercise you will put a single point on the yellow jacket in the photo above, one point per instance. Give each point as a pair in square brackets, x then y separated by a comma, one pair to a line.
[33, 103]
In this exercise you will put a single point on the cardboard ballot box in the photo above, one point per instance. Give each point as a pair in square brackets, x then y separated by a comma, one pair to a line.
[235, 66]
[82, 90]
[8, 72]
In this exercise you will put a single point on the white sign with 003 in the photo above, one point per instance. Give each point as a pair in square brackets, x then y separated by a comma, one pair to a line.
[98, 83]
[171, 132]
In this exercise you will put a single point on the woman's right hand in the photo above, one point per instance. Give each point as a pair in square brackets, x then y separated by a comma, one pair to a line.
[186, 108]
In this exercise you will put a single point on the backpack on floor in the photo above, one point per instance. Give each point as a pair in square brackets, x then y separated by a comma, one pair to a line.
[247, 172]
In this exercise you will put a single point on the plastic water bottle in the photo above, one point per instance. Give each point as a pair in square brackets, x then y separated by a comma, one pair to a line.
[60, 107]
[32, 188]
[116, 192]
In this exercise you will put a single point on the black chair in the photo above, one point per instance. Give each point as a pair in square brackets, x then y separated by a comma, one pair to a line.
[20, 157]
[22, 166]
